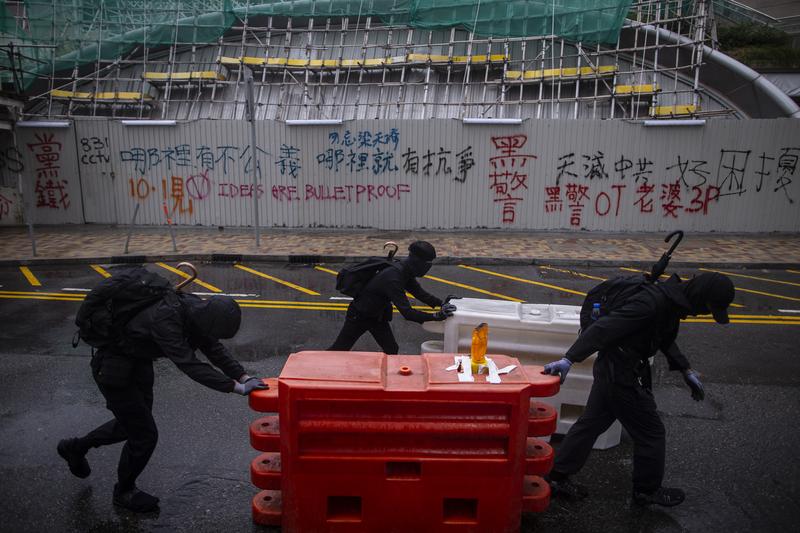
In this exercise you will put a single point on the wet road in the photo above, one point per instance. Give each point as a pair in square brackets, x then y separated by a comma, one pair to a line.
[735, 454]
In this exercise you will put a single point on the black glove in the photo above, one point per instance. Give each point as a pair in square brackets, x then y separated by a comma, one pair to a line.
[692, 379]
[249, 386]
[451, 297]
[446, 311]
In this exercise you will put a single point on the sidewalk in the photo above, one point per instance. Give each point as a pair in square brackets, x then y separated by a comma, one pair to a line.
[105, 244]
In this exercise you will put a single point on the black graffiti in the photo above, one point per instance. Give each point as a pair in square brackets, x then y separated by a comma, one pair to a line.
[94, 150]
[730, 172]
[11, 160]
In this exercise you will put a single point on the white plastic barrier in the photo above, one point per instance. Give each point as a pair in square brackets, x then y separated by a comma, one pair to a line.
[533, 333]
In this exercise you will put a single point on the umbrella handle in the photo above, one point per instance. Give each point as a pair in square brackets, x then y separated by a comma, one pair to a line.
[679, 233]
[191, 278]
[391, 253]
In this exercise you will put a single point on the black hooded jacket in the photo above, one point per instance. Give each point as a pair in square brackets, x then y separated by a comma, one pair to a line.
[646, 323]
[181, 323]
[388, 287]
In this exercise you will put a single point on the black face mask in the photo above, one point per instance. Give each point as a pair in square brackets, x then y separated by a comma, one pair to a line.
[417, 266]
[708, 289]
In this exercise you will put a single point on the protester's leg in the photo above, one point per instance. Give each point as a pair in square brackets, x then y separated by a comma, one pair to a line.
[636, 409]
[74, 450]
[382, 332]
[577, 444]
[132, 407]
[350, 333]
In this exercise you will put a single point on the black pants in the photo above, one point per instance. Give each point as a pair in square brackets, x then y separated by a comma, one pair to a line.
[355, 326]
[131, 401]
[635, 408]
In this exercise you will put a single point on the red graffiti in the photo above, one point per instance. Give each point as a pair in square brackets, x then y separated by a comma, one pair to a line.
[670, 198]
[553, 201]
[356, 193]
[604, 199]
[507, 175]
[576, 194]
[702, 197]
[198, 186]
[236, 190]
[177, 194]
[285, 193]
[50, 190]
[644, 201]
[5, 206]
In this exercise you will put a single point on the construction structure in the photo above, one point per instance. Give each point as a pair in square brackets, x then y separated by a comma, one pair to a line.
[306, 63]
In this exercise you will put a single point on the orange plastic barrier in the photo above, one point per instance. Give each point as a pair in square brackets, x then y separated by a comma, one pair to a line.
[370, 442]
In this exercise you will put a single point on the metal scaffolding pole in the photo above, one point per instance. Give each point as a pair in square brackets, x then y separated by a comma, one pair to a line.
[251, 117]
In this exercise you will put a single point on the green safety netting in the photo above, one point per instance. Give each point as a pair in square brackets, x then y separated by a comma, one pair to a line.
[45, 36]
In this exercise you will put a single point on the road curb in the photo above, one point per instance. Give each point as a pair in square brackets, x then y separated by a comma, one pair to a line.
[445, 260]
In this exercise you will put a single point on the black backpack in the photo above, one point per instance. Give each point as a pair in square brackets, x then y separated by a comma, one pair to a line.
[610, 294]
[114, 302]
[352, 279]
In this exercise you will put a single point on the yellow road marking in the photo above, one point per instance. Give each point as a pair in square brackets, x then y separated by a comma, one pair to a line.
[793, 271]
[751, 277]
[24, 293]
[184, 275]
[665, 276]
[522, 280]
[476, 289]
[277, 280]
[100, 270]
[29, 276]
[289, 302]
[573, 272]
[331, 306]
[769, 294]
[741, 321]
[310, 308]
[53, 298]
[328, 270]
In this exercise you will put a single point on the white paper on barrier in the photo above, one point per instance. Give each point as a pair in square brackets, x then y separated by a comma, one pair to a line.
[493, 377]
[466, 366]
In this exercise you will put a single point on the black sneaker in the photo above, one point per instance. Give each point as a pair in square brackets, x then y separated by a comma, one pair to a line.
[662, 496]
[75, 456]
[567, 489]
[135, 500]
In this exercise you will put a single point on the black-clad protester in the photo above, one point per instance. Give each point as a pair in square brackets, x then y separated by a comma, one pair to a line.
[174, 327]
[371, 310]
[646, 322]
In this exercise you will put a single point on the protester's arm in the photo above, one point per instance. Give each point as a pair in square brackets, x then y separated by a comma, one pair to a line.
[607, 330]
[395, 291]
[167, 332]
[221, 358]
[422, 295]
[675, 358]
[678, 361]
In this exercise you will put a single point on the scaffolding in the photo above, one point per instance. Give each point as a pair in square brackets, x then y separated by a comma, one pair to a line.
[187, 60]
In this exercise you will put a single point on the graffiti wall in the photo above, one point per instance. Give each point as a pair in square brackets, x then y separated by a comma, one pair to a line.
[570, 175]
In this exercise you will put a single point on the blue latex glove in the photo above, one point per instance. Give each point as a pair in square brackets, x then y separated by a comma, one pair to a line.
[451, 297]
[249, 386]
[558, 368]
[692, 379]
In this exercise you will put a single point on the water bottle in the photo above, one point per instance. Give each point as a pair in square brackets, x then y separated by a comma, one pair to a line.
[595, 312]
